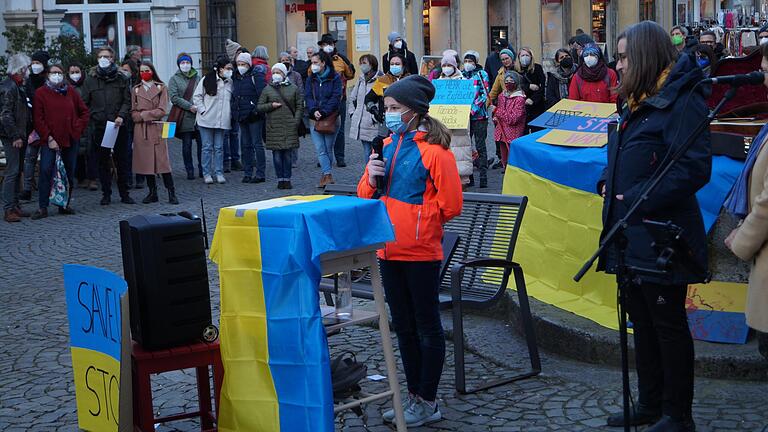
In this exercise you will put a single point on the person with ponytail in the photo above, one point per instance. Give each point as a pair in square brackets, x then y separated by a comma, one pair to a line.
[212, 98]
[422, 191]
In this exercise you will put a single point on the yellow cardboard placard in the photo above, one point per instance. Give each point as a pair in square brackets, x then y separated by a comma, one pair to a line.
[574, 139]
[588, 109]
[452, 116]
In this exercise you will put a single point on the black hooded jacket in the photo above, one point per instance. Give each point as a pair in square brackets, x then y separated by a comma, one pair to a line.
[410, 65]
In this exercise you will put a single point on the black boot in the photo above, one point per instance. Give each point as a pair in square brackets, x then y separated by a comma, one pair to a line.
[172, 196]
[670, 424]
[639, 416]
[152, 195]
[168, 182]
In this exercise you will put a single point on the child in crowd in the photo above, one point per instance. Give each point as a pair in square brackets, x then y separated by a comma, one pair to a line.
[509, 115]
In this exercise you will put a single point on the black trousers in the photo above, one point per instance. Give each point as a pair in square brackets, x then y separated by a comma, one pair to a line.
[412, 290]
[122, 158]
[663, 347]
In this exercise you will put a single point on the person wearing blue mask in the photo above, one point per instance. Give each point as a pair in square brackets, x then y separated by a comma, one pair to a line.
[374, 100]
[705, 57]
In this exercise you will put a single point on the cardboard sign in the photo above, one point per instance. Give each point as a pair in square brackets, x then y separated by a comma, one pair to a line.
[94, 299]
[586, 124]
[574, 139]
[568, 109]
[453, 92]
[452, 116]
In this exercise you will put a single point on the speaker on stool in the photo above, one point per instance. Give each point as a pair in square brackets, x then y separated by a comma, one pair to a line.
[164, 263]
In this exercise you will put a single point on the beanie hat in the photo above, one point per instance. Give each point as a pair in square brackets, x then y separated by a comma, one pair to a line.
[183, 57]
[514, 75]
[392, 37]
[231, 47]
[280, 67]
[472, 55]
[327, 39]
[508, 52]
[413, 91]
[449, 59]
[261, 52]
[42, 57]
[243, 57]
[591, 49]
[583, 39]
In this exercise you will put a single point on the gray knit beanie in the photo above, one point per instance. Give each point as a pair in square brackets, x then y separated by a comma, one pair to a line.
[413, 91]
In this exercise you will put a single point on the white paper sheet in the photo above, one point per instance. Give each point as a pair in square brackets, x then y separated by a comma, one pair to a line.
[110, 135]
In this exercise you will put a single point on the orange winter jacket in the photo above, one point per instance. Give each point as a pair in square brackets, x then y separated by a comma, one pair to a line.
[422, 192]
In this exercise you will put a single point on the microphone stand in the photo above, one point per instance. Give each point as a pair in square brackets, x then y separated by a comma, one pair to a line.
[616, 235]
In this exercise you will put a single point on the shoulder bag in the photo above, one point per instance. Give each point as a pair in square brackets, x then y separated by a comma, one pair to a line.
[176, 113]
[327, 124]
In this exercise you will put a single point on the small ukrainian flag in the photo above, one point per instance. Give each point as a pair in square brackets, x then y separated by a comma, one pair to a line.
[169, 130]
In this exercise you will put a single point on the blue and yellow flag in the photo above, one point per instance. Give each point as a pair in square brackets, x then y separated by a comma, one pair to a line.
[169, 130]
[273, 344]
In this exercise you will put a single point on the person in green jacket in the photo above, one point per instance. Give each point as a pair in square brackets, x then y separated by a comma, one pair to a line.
[186, 77]
[283, 104]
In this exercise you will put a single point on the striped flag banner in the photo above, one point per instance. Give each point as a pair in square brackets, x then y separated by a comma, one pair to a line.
[169, 130]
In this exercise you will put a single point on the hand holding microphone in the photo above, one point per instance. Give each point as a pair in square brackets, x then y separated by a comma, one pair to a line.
[376, 165]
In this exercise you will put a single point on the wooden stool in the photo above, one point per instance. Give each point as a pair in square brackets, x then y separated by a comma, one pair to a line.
[196, 355]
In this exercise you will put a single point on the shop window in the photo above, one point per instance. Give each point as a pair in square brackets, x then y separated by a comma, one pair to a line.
[72, 25]
[66, 2]
[599, 19]
[647, 10]
[138, 33]
[104, 31]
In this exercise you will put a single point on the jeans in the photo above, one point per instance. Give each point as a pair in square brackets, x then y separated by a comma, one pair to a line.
[252, 145]
[282, 161]
[231, 144]
[663, 347]
[120, 155]
[367, 149]
[479, 131]
[13, 163]
[340, 143]
[213, 150]
[411, 289]
[48, 168]
[186, 151]
[30, 160]
[324, 147]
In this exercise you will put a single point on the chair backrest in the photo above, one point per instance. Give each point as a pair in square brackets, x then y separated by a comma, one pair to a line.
[340, 189]
[488, 225]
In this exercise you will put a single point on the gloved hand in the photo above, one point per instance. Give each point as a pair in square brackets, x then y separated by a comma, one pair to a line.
[375, 169]
[529, 101]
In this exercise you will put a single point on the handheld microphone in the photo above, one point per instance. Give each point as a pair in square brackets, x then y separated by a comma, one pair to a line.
[378, 147]
[752, 78]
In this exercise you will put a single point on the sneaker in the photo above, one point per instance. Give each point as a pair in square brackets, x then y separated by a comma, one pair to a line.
[40, 214]
[208, 179]
[389, 415]
[420, 413]
[220, 179]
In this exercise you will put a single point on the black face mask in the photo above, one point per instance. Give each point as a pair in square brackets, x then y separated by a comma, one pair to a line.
[566, 63]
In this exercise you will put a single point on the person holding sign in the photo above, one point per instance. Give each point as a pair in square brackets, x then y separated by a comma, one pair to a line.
[149, 104]
[478, 124]
[421, 191]
[509, 116]
[593, 81]
[461, 144]
[374, 100]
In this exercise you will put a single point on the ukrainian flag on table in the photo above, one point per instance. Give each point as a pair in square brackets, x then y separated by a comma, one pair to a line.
[563, 222]
[273, 344]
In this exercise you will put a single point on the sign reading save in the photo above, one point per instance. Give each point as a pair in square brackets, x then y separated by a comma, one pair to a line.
[452, 102]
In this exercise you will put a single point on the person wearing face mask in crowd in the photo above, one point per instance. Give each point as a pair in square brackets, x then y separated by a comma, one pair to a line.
[130, 69]
[149, 104]
[186, 78]
[363, 126]
[478, 120]
[534, 84]
[107, 94]
[398, 45]
[507, 57]
[249, 81]
[212, 98]
[346, 71]
[322, 93]
[705, 57]
[593, 81]
[422, 192]
[293, 76]
[86, 167]
[14, 119]
[287, 59]
[374, 100]
[38, 70]
[678, 35]
[493, 62]
[461, 145]
[509, 117]
[577, 44]
[762, 35]
[283, 105]
[37, 78]
[232, 137]
[559, 79]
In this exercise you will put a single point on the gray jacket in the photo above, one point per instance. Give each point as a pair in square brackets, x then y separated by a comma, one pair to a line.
[214, 112]
[14, 112]
[177, 85]
[362, 126]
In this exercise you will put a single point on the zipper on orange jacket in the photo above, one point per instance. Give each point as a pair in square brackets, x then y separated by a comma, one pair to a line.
[389, 179]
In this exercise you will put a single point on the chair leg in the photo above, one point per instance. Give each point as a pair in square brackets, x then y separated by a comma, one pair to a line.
[458, 330]
[527, 320]
[218, 381]
[143, 392]
[328, 298]
[204, 398]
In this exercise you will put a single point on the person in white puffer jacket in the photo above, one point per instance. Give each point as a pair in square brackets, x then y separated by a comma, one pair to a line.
[362, 125]
[461, 143]
[214, 117]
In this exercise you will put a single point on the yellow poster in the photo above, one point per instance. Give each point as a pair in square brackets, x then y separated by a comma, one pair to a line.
[452, 116]
[574, 139]
[587, 109]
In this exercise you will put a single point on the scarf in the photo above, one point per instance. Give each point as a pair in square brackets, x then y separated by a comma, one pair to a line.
[109, 73]
[323, 75]
[60, 88]
[594, 74]
[737, 202]
[634, 104]
[192, 73]
[563, 80]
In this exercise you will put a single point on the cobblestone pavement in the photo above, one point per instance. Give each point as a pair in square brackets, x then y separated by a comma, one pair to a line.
[36, 379]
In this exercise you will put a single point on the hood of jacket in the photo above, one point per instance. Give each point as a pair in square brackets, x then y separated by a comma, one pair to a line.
[685, 74]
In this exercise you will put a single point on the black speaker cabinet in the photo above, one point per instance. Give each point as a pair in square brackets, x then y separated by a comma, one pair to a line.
[165, 266]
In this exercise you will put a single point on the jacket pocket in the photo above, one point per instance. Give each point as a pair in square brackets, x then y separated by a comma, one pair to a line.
[418, 223]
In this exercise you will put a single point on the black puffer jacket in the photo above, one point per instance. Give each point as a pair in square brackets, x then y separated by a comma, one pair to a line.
[14, 111]
[643, 138]
[107, 97]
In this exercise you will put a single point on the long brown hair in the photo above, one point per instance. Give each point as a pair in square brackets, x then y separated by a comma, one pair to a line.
[151, 67]
[437, 133]
[649, 52]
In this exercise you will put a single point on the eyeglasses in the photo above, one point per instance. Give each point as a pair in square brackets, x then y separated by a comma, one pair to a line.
[710, 43]
[621, 56]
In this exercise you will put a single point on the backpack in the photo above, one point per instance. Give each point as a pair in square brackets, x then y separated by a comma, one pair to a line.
[346, 373]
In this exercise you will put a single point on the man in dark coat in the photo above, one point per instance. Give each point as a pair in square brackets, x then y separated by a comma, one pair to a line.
[493, 62]
[37, 76]
[398, 45]
[14, 119]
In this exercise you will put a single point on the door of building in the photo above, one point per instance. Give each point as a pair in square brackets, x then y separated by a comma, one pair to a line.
[337, 24]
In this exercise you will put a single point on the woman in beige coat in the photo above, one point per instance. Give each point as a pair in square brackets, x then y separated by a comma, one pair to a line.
[750, 240]
[149, 104]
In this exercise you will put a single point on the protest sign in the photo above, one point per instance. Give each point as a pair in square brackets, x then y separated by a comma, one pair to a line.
[452, 116]
[568, 109]
[94, 298]
[452, 102]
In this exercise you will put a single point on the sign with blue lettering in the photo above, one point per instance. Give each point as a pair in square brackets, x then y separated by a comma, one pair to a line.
[453, 92]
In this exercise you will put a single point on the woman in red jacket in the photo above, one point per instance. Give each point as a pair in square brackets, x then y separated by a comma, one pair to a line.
[422, 191]
[593, 81]
[60, 119]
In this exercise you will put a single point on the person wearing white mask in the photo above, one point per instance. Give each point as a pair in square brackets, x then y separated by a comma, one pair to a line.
[283, 105]
[762, 35]
[86, 167]
[461, 145]
[593, 80]
[398, 45]
[478, 123]
[534, 85]
[247, 86]
[180, 88]
[212, 98]
[37, 78]
[346, 71]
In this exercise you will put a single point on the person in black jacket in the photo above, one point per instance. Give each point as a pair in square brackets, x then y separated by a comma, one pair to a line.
[560, 78]
[106, 93]
[247, 85]
[37, 77]
[664, 104]
[534, 85]
[398, 45]
[14, 119]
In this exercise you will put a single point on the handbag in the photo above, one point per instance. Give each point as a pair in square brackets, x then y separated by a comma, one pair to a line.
[176, 112]
[59, 195]
[302, 130]
[327, 124]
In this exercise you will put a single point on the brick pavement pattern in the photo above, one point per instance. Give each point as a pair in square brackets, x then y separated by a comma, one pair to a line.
[36, 379]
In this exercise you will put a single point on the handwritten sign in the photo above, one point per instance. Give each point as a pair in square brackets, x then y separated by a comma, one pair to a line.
[94, 299]
[453, 92]
[574, 139]
[586, 124]
[452, 116]
[568, 109]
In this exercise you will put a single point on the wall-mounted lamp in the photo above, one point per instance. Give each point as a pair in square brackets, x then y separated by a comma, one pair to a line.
[173, 26]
